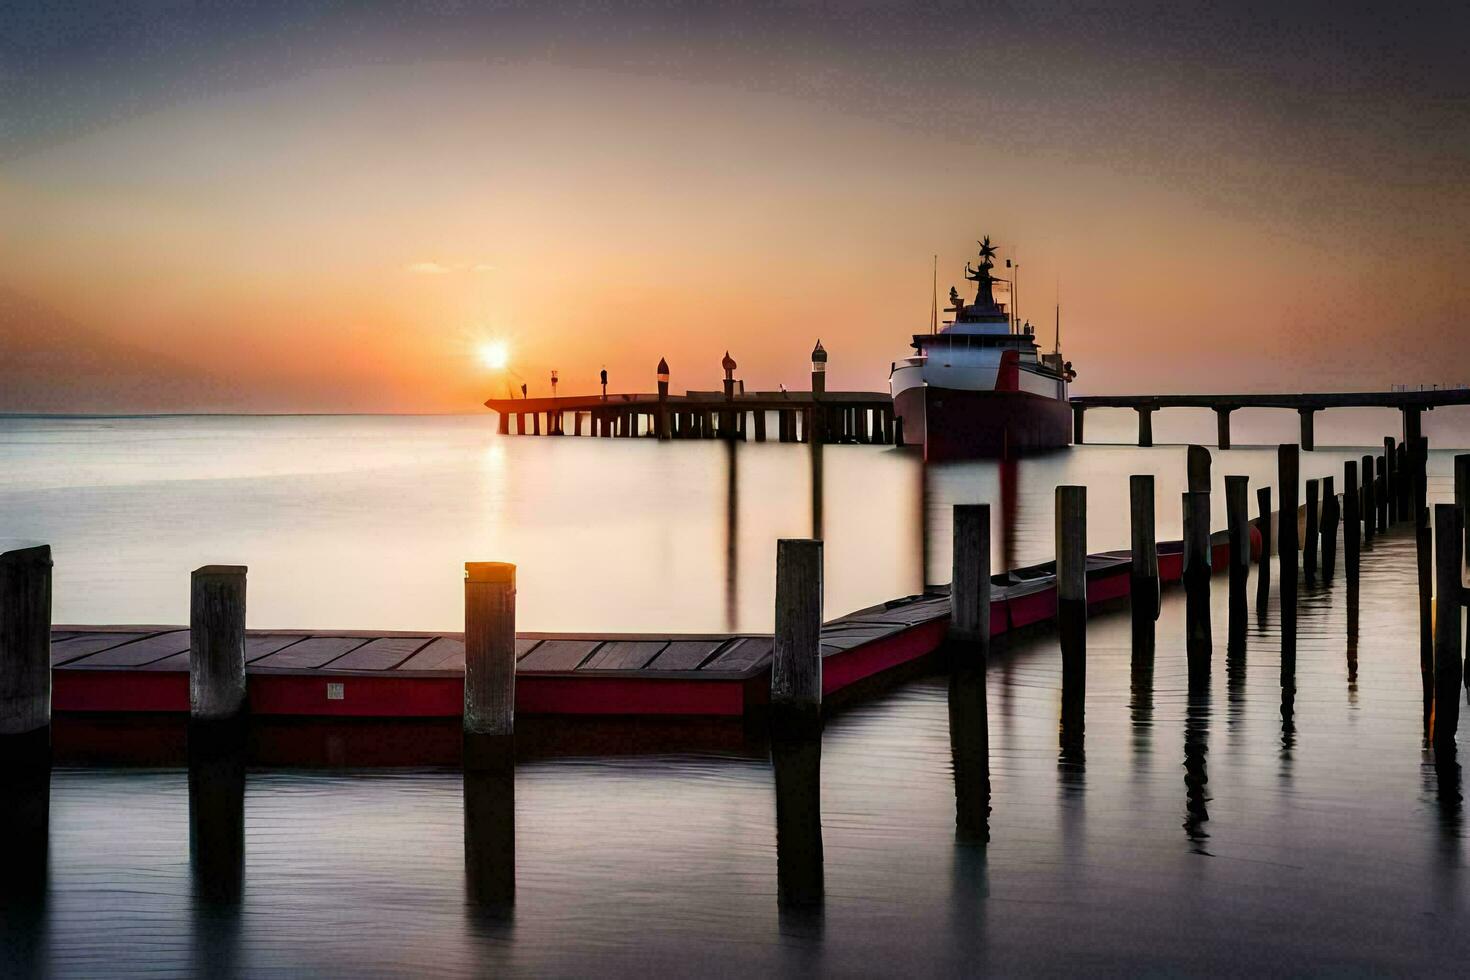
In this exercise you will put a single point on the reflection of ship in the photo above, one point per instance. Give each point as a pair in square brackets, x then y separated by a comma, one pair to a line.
[979, 387]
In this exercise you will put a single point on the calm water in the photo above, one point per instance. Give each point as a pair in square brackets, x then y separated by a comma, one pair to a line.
[365, 522]
[1282, 824]
[1290, 821]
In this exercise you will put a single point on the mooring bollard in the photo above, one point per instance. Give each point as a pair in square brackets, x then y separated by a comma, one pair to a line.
[1312, 526]
[217, 645]
[969, 591]
[1331, 513]
[1449, 539]
[1197, 568]
[1143, 584]
[25, 656]
[489, 665]
[1197, 468]
[1071, 550]
[1352, 527]
[796, 667]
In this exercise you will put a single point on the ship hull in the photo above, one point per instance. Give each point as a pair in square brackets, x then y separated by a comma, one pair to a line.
[955, 423]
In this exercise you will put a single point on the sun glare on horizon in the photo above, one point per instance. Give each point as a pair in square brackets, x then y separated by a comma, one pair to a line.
[494, 354]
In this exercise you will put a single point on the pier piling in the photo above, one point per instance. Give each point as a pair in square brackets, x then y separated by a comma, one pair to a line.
[1331, 514]
[1071, 551]
[1462, 492]
[1197, 466]
[1143, 586]
[25, 656]
[1352, 527]
[1263, 567]
[1391, 480]
[1196, 574]
[1424, 554]
[1308, 441]
[1449, 542]
[1237, 524]
[217, 645]
[1312, 527]
[1077, 430]
[796, 668]
[490, 665]
[1222, 426]
[969, 592]
[1288, 468]
[1145, 426]
[1381, 493]
[1366, 503]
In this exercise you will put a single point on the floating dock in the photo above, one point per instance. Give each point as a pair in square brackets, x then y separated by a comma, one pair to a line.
[353, 674]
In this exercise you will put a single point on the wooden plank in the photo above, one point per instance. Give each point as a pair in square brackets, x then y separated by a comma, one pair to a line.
[310, 653]
[384, 653]
[914, 613]
[837, 637]
[140, 652]
[445, 653]
[558, 654]
[179, 661]
[87, 644]
[623, 655]
[685, 654]
[265, 644]
[743, 654]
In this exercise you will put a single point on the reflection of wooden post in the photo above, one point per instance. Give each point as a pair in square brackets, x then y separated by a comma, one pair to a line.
[490, 665]
[490, 838]
[1197, 567]
[217, 644]
[25, 657]
[796, 667]
[969, 593]
[1448, 547]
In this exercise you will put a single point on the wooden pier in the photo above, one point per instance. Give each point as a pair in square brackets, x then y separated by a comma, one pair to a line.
[1411, 403]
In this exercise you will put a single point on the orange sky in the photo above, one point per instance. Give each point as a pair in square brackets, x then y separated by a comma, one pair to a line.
[342, 238]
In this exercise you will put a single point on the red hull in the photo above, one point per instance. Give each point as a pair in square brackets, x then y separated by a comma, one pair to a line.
[958, 424]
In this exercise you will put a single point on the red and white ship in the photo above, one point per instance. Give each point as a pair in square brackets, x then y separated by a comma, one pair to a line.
[980, 386]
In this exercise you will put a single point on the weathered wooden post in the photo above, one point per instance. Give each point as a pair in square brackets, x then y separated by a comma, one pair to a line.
[1421, 481]
[1077, 429]
[1449, 540]
[1197, 568]
[1222, 426]
[1406, 483]
[1238, 527]
[1145, 426]
[25, 657]
[1462, 492]
[1308, 442]
[796, 668]
[490, 665]
[760, 424]
[1313, 528]
[1391, 480]
[1263, 567]
[1071, 550]
[1288, 468]
[1424, 553]
[1143, 583]
[1352, 527]
[1331, 513]
[1381, 493]
[217, 696]
[1197, 467]
[1366, 503]
[969, 592]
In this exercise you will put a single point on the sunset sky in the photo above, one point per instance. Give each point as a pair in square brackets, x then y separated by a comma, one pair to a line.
[330, 206]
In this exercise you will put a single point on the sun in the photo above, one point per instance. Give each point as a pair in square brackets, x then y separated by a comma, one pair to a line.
[494, 354]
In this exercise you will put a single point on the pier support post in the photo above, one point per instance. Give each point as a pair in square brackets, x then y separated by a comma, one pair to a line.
[1381, 492]
[1288, 469]
[1145, 426]
[1424, 553]
[490, 665]
[1078, 411]
[502, 424]
[1366, 503]
[1331, 513]
[217, 646]
[1263, 566]
[1391, 478]
[1449, 539]
[1462, 492]
[1222, 426]
[1143, 575]
[1238, 526]
[969, 591]
[1197, 568]
[760, 424]
[1312, 527]
[1308, 443]
[796, 666]
[1071, 550]
[25, 657]
[1352, 527]
[1197, 466]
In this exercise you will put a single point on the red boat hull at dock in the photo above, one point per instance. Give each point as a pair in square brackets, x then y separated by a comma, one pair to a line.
[960, 424]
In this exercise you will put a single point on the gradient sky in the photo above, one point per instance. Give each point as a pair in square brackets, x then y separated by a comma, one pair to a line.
[328, 206]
